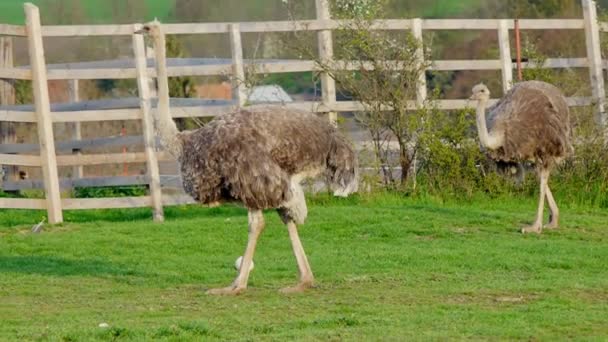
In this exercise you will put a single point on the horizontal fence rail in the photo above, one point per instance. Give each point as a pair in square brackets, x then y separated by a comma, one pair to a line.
[143, 107]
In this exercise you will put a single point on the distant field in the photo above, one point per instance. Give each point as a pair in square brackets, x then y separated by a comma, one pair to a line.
[11, 11]
[449, 8]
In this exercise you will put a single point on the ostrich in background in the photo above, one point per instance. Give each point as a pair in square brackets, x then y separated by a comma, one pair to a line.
[531, 122]
[257, 157]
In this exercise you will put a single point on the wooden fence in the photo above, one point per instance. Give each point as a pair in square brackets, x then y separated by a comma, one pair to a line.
[44, 154]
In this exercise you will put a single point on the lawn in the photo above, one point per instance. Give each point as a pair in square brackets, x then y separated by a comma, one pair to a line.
[387, 268]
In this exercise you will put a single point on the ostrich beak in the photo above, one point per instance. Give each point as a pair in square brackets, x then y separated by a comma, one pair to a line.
[143, 30]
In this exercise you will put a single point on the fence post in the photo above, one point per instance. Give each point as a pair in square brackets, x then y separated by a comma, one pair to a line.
[421, 91]
[594, 56]
[239, 89]
[326, 53]
[7, 97]
[73, 89]
[141, 64]
[506, 62]
[43, 114]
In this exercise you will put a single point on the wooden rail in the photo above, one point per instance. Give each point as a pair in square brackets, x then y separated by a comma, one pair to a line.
[144, 107]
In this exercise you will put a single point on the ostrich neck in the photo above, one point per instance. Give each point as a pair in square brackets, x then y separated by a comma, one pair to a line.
[165, 126]
[491, 141]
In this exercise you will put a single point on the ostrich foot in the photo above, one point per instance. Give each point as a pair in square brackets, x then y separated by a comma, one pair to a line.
[551, 225]
[229, 290]
[301, 287]
[535, 228]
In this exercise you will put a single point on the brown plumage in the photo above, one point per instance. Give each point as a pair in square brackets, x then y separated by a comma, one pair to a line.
[530, 123]
[257, 156]
[251, 155]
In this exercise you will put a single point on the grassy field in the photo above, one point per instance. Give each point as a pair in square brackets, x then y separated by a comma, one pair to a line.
[387, 268]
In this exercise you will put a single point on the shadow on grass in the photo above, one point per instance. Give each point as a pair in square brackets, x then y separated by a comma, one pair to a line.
[55, 266]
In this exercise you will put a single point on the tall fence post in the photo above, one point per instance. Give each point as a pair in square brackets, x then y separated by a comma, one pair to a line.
[7, 97]
[506, 62]
[421, 91]
[43, 114]
[326, 54]
[73, 89]
[594, 56]
[141, 64]
[239, 89]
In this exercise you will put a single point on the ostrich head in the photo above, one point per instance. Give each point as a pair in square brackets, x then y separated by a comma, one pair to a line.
[480, 92]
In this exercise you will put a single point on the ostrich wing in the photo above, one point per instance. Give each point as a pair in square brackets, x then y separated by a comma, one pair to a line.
[534, 117]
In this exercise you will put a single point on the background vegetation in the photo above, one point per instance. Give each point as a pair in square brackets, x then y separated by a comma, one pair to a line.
[446, 160]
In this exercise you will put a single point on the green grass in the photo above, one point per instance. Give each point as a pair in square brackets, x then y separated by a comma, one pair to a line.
[388, 268]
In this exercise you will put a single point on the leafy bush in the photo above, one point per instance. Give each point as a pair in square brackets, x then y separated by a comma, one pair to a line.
[110, 191]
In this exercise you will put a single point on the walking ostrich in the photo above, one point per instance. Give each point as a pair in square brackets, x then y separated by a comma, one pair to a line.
[257, 157]
[530, 123]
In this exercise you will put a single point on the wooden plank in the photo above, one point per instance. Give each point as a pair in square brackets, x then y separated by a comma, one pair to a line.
[491, 24]
[201, 112]
[106, 203]
[70, 183]
[108, 158]
[43, 114]
[170, 181]
[100, 159]
[326, 54]
[20, 160]
[70, 145]
[199, 70]
[16, 73]
[141, 63]
[239, 89]
[421, 91]
[506, 62]
[12, 30]
[548, 24]
[17, 116]
[86, 30]
[91, 74]
[594, 56]
[97, 115]
[22, 203]
[281, 26]
[300, 25]
[284, 67]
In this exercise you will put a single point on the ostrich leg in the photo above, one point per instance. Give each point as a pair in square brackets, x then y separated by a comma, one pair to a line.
[292, 212]
[536, 227]
[256, 226]
[554, 216]
[306, 277]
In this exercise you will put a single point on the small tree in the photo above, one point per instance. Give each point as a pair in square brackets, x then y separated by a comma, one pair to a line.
[383, 71]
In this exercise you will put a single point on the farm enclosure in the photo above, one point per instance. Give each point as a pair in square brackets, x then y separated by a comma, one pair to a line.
[45, 115]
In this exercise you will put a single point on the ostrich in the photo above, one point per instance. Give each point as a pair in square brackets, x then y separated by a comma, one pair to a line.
[530, 123]
[257, 157]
